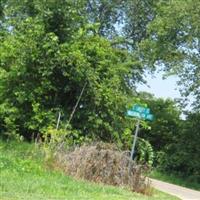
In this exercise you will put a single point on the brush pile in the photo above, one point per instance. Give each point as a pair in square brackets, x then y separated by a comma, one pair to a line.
[103, 163]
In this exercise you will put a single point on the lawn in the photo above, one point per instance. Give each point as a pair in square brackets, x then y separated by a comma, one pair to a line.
[23, 175]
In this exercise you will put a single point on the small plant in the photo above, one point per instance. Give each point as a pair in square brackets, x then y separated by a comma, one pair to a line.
[144, 151]
[55, 140]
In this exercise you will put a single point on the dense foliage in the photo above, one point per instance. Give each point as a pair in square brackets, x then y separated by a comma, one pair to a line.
[166, 123]
[174, 140]
[84, 58]
[173, 42]
[49, 56]
[183, 155]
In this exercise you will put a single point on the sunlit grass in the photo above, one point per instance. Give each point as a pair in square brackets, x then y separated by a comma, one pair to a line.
[23, 176]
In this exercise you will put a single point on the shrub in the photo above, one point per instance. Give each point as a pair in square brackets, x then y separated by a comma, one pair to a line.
[103, 163]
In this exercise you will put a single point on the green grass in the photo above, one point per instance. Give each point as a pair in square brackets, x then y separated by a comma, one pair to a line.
[172, 178]
[23, 176]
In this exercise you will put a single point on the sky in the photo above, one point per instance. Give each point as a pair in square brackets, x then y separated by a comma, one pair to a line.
[165, 88]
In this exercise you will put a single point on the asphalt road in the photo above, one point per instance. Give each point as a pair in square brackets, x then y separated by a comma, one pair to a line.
[178, 191]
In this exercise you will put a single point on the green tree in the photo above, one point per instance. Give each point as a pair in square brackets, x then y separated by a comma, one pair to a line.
[165, 129]
[51, 50]
[183, 155]
[63, 19]
[173, 42]
[43, 69]
[175, 141]
[124, 21]
[107, 14]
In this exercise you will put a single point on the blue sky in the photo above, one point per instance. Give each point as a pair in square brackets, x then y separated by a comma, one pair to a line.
[165, 88]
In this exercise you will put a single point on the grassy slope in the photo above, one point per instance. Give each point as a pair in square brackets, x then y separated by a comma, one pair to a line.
[171, 178]
[23, 176]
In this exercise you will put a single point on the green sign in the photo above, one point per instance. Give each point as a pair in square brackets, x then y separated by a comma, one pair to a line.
[140, 112]
[131, 113]
[140, 109]
[150, 117]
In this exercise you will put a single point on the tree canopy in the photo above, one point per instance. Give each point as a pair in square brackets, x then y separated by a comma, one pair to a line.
[47, 56]
[173, 42]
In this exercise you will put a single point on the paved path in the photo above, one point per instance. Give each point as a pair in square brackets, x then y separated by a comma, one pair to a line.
[178, 191]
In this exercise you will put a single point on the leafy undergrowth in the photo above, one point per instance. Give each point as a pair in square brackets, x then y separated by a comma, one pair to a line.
[175, 179]
[23, 176]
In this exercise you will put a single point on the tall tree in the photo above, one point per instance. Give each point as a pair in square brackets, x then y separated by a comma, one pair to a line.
[107, 13]
[137, 16]
[51, 49]
[63, 18]
[49, 54]
[182, 156]
[127, 19]
[2, 17]
[174, 42]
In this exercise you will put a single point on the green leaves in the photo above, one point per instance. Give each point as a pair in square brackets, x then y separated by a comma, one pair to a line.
[166, 124]
[50, 51]
[173, 43]
[42, 75]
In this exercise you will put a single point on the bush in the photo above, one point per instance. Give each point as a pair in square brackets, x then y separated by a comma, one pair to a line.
[103, 163]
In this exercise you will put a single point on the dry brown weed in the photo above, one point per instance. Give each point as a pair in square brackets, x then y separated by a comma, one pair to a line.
[103, 163]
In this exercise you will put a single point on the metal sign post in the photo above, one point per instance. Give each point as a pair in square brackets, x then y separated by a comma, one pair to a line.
[58, 121]
[135, 138]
